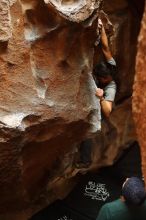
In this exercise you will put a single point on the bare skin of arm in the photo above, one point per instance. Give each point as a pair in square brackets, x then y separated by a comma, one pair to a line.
[104, 42]
[106, 106]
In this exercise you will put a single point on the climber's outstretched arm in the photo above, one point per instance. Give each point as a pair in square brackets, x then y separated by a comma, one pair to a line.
[104, 41]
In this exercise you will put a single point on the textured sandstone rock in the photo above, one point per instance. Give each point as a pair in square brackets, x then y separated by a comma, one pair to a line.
[48, 102]
[139, 95]
[5, 24]
[75, 10]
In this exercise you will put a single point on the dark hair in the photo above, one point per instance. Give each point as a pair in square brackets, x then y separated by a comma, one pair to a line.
[134, 191]
[103, 69]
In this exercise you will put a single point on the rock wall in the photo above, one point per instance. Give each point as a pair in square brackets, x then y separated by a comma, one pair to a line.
[5, 18]
[139, 94]
[47, 96]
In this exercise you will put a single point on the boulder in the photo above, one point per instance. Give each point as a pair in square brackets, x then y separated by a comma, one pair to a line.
[47, 97]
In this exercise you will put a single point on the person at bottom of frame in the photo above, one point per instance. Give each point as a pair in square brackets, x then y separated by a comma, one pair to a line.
[131, 205]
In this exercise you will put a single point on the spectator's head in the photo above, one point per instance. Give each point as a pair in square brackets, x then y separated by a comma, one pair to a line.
[133, 191]
[103, 72]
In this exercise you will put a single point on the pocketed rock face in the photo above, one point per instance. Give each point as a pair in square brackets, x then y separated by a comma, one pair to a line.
[47, 97]
[5, 24]
[139, 95]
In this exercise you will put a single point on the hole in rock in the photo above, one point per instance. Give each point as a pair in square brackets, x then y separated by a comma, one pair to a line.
[3, 46]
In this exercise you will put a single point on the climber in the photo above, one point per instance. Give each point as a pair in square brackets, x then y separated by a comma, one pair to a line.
[103, 74]
[131, 205]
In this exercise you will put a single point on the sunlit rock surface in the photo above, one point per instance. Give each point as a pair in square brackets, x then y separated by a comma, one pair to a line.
[75, 10]
[5, 18]
[47, 97]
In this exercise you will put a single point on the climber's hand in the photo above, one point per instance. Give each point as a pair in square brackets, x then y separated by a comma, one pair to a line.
[99, 93]
[100, 24]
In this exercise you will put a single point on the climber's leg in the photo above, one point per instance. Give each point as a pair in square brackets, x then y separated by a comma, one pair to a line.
[85, 153]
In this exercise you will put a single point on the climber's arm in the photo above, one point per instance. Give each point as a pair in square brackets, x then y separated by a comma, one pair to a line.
[106, 106]
[105, 45]
[104, 41]
[107, 97]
